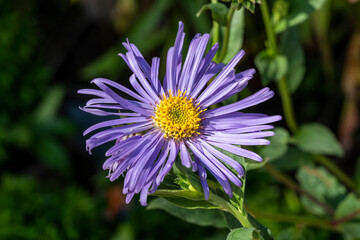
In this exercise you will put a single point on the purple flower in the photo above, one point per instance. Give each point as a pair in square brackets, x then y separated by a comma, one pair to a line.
[164, 120]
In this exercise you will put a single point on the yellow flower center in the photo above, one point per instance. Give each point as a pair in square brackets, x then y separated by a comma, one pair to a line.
[177, 116]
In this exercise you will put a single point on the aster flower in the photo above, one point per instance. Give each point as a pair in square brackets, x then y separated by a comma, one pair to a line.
[164, 120]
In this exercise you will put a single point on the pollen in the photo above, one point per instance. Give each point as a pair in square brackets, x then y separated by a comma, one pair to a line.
[178, 116]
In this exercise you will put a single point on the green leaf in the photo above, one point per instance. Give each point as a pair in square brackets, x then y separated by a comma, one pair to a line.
[265, 232]
[53, 155]
[239, 193]
[248, 4]
[292, 49]
[278, 146]
[350, 230]
[244, 234]
[231, 221]
[236, 35]
[111, 65]
[191, 204]
[255, 165]
[271, 67]
[219, 12]
[322, 185]
[124, 231]
[199, 24]
[233, 224]
[293, 159]
[200, 217]
[187, 177]
[280, 9]
[292, 201]
[298, 12]
[188, 194]
[237, 158]
[291, 233]
[50, 104]
[234, 98]
[348, 206]
[316, 138]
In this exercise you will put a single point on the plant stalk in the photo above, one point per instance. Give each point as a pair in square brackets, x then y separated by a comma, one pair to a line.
[227, 35]
[287, 104]
[225, 205]
[305, 220]
[216, 29]
[291, 184]
[281, 84]
[323, 160]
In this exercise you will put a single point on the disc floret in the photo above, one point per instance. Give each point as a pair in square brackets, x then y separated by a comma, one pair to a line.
[178, 116]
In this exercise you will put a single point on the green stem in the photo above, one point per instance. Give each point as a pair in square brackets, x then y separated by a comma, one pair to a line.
[216, 29]
[305, 220]
[323, 160]
[268, 28]
[282, 83]
[287, 101]
[346, 218]
[287, 104]
[216, 33]
[227, 35]
[225, 205]
[291, 184]
[193, 194]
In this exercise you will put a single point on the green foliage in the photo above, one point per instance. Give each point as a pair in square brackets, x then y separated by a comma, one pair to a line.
[247, 4]
[293, 159]
[297, 11]
[351, 230]
[188, 194]
[322, 185]
[110, 64]
[219, 12]
[48, 108]
[187, 201]
[32, 211]
[53, 155]
[278, 145]
[23, 75]
[250, 4]
[236, 36]
[190, 204]
[200, 217]
[298, 234]
[271, 66]
[202, 23]
[349, 205]
[265, 232]
[29, 118]
[29, 123]
[255, 165]
[316, 138]
[244, 234]
[231, 221]
[124, 232]
[292, 49]
[239, 193]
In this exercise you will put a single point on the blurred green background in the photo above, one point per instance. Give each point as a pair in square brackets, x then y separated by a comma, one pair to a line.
[51, 188]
